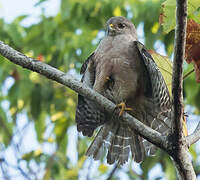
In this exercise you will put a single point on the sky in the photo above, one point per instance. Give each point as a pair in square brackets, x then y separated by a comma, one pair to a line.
[10, 9]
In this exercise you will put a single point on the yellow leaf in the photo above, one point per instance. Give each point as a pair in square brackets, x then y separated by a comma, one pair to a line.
[103, 168]
[94, 33]
[57, 116]
[71, 66]
[13, 110]
[71, 173]
[155, 28]
[47, 174]
[34, 77]
[37, 152]
[117, 11]
[20, 104]
[30, 54]
[81, 161]
[70, 102]
[50, 140]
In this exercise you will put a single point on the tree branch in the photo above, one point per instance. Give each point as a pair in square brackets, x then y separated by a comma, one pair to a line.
[180, 150]
[194, 137]
[67, 80]
[177, 78]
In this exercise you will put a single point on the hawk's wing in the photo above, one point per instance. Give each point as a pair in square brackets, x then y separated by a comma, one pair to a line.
[158, 107]
[88, 114]
[160, 91]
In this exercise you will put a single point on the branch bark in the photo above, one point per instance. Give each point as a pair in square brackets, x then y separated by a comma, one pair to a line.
[67, 80]
[177, 78]
[180, 153]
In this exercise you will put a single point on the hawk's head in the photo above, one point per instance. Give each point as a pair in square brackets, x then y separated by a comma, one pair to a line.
[120, 25]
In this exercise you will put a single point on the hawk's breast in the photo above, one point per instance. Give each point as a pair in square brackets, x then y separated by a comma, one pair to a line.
[115, 62]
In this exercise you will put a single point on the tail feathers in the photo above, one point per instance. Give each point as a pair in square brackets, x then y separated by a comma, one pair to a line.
[123, 157]
[119, 148]
[96, 149]
[160, 122]
[119, 140]
[137, 148]
[150, 149]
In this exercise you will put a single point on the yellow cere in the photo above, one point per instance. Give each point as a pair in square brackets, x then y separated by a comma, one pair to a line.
[111, 25]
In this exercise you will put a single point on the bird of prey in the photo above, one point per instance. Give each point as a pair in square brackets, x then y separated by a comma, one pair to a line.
[122, 70]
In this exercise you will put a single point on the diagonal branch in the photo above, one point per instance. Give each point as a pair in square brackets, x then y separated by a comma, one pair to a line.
[67, 80]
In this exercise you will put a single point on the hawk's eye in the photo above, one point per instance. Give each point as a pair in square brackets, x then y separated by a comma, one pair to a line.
[121, 26]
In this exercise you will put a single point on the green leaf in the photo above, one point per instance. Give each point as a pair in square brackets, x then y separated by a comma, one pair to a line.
[192, 89]
[15, 33]
[5, 128]
[36, 99]
[28, 156]
[147, 164]
[40, 126]
[169, 13]
[193, 152]
[19, 19]
[165, 66]
[170, 171]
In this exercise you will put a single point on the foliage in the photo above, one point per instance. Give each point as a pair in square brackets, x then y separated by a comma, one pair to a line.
[29, 101]
[167, 17]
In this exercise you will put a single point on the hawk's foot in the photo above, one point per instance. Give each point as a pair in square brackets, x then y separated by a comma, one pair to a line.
[123, 107]
[108, 78]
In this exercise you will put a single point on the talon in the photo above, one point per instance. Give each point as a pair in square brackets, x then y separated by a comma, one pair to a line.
[123, 107]
[107, 78]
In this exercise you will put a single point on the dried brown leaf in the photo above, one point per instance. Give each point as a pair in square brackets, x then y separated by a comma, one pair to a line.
[192, 50]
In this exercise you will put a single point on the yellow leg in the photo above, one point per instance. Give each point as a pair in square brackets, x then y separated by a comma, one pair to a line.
[123, 107]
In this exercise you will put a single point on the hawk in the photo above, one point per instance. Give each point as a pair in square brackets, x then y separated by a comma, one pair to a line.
[122, 70]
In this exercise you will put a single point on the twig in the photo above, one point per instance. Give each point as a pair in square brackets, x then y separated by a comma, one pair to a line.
[67, 80]
[112, 172]
[4, 172]
[187, 74]
[194, 137]
[89, 168]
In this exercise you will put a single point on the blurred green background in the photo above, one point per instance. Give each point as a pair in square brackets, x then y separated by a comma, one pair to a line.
[38, 136]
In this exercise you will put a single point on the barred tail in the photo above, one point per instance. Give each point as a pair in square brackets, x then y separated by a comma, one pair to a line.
[119, 140]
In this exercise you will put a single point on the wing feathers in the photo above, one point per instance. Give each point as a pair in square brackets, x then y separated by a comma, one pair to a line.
[88, 114]
[160, 91]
